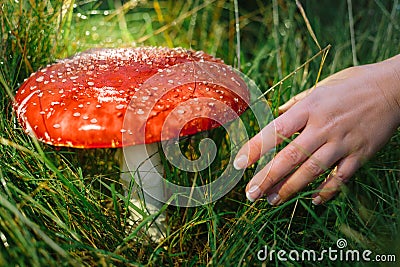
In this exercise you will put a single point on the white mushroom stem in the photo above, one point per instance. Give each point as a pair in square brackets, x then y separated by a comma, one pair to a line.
[142, 164]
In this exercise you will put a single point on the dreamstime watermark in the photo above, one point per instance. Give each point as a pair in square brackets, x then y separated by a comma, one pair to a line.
[338, 253]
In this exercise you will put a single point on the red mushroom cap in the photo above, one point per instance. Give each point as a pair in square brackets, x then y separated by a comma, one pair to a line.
[82, 101]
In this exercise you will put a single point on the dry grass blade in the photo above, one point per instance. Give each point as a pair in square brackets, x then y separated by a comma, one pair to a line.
[309, 28]
[323, 52]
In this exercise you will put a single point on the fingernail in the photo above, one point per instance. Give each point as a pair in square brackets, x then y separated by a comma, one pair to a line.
[273, 199]
[317, 200]
[240, 162]
[253, 193]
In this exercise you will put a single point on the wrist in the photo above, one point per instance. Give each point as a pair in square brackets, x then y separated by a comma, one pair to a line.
[388, 72]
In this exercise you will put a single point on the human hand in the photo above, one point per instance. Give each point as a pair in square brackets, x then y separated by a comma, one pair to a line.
[347, 118]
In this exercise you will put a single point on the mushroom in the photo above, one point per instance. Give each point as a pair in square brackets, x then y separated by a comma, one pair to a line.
[131, 98]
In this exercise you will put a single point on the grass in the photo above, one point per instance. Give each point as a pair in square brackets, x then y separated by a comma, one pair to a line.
[65, 206]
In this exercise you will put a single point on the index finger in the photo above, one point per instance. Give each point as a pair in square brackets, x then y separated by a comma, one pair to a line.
[286, 106]
[271, 135]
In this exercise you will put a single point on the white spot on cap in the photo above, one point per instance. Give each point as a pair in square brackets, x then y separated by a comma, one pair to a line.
[90, 127]
[108, 94]
[140, 111]
[93, 120]
[76, 114]
[40, 79]
[90, 83]
[56, 126]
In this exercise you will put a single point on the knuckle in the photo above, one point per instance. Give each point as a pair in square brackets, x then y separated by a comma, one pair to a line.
[339, 177]
[292, 154]
[313, 167]
[332, 120]
[330, 123]
[255, 148]
[280, 129]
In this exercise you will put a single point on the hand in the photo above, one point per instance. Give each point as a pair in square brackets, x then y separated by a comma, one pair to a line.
[347, 118]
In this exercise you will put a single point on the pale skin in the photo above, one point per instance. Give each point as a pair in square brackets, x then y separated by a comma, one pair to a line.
[340, 123]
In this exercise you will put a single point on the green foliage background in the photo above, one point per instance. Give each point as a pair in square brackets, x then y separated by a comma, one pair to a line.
[66, 207]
